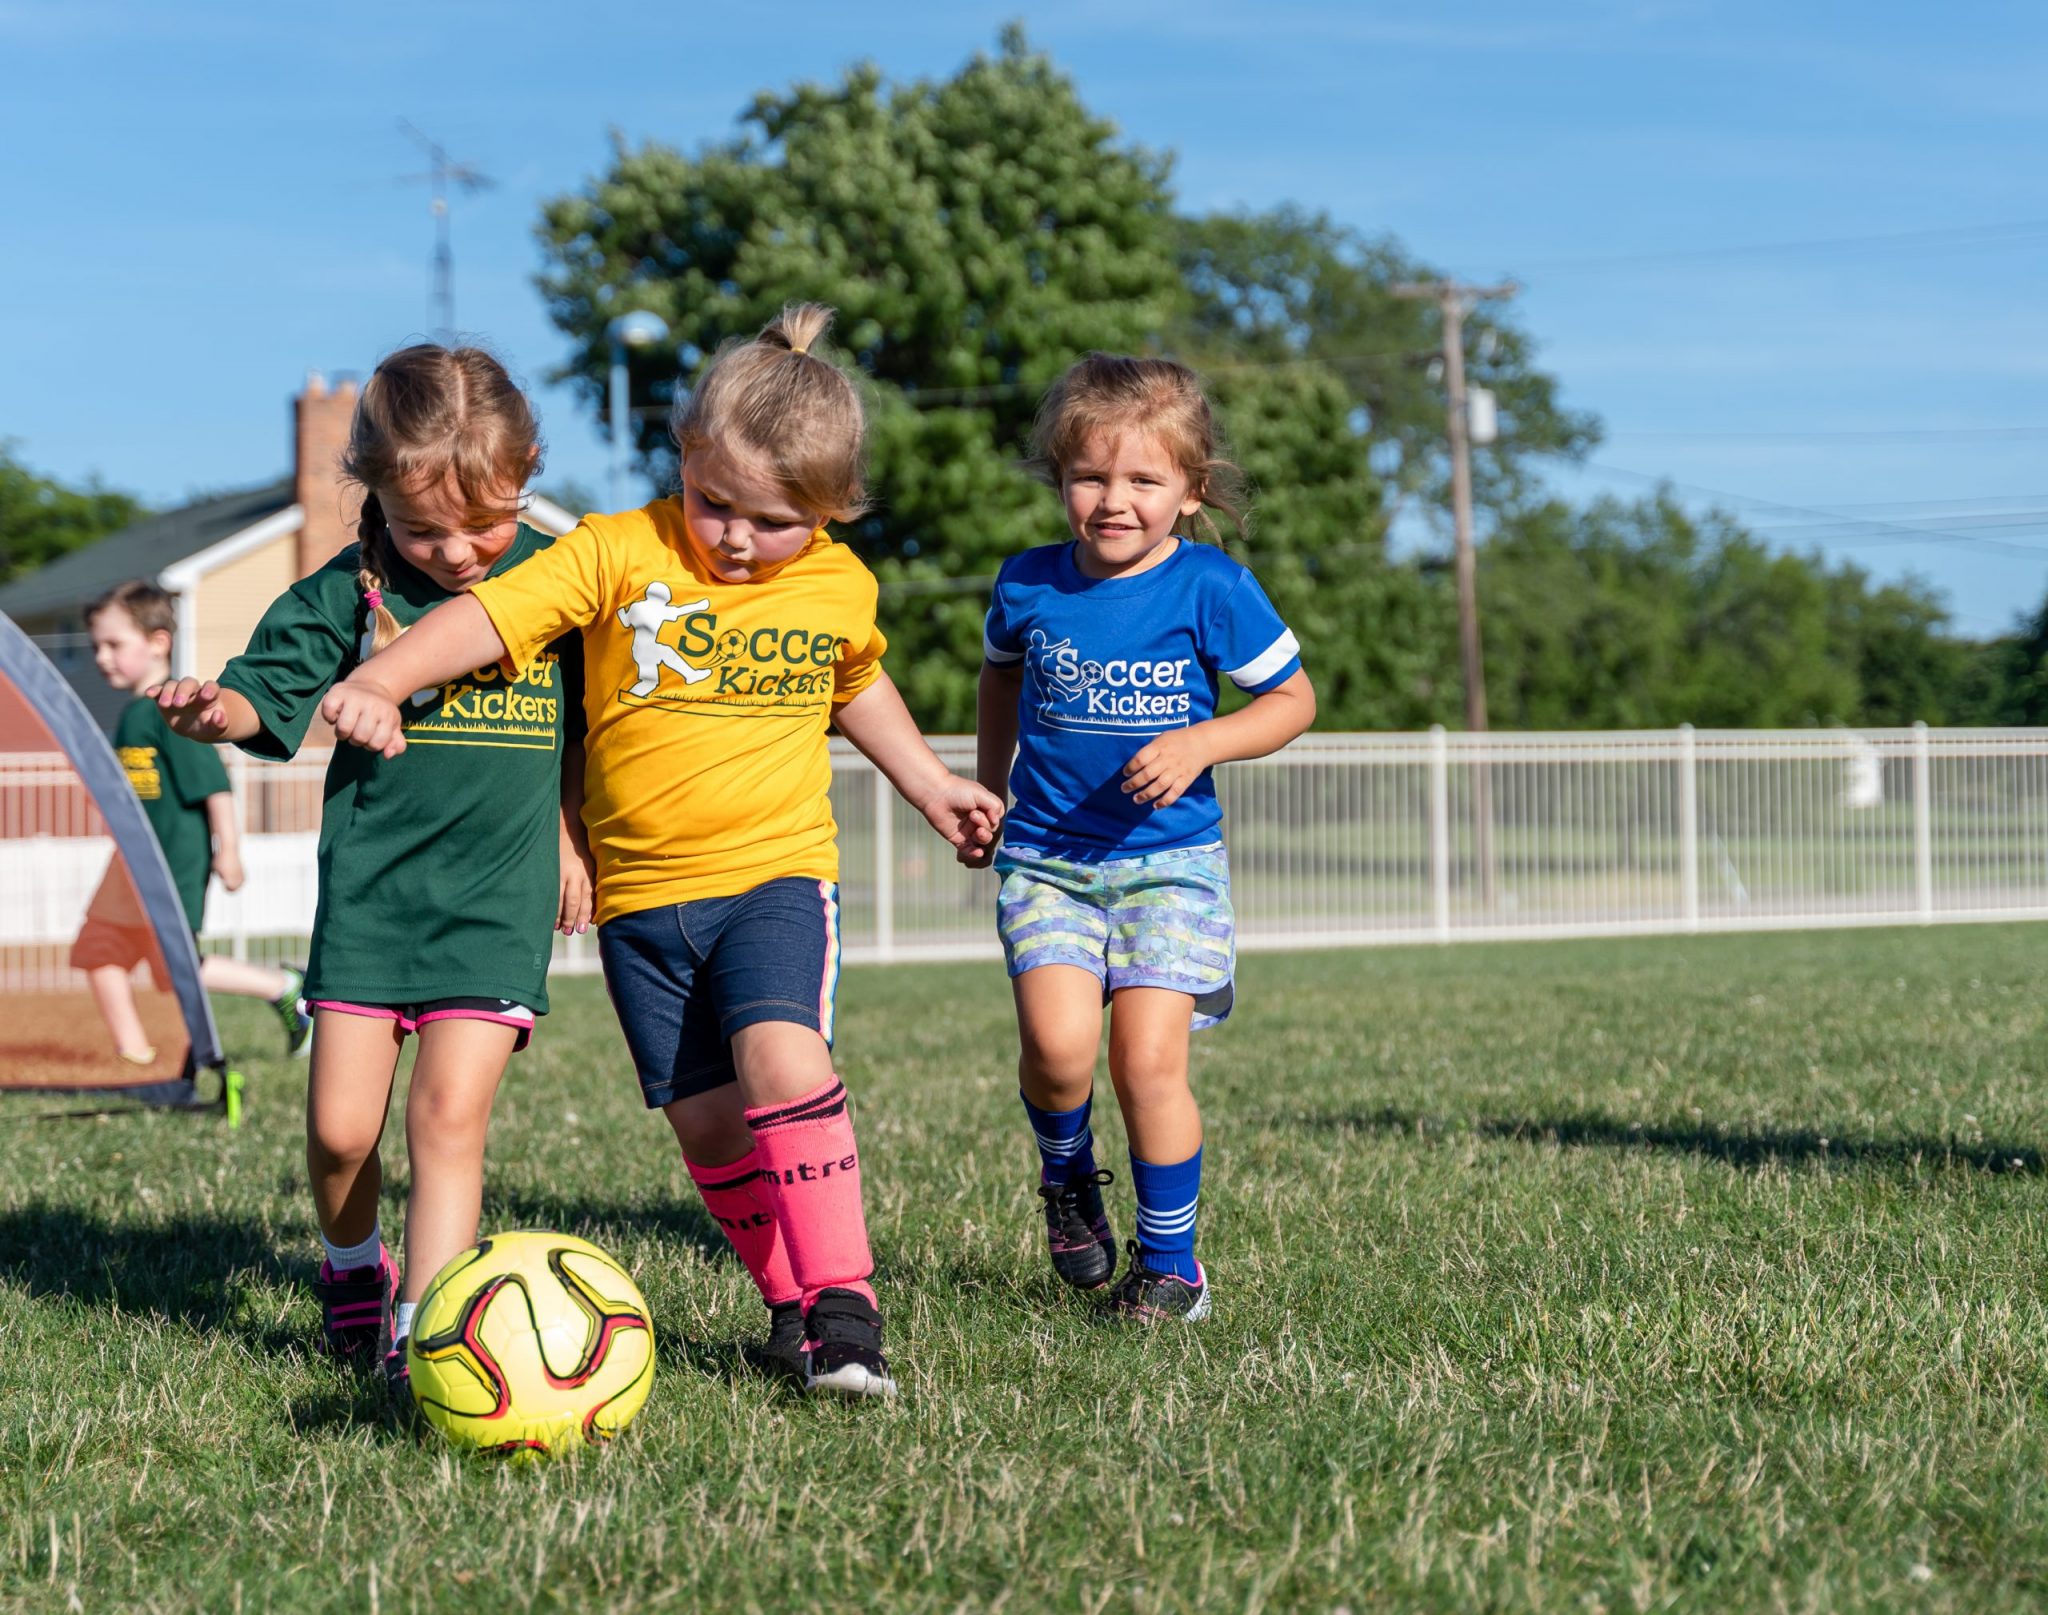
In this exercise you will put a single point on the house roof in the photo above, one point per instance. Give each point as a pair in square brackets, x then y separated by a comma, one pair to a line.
[142, 551]
[180, 546]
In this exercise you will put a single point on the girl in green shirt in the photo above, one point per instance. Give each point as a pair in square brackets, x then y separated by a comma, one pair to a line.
[442, 871]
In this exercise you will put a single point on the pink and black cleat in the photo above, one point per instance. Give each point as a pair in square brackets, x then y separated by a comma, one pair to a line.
[356, 1309]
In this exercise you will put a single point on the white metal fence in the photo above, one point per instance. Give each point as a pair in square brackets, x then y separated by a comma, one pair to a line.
[1341, 840]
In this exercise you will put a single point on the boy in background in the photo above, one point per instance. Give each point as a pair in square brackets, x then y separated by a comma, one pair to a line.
[185, 796]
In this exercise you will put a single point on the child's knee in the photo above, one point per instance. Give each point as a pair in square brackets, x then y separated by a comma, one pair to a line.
[336, 1144]
[445, 1114]
[1059, 1055]
[711, 1127]
[1145, 1074]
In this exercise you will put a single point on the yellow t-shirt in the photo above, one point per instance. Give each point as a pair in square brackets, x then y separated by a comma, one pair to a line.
[707, 770]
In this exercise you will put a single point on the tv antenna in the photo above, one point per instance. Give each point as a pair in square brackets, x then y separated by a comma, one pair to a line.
[445, 172]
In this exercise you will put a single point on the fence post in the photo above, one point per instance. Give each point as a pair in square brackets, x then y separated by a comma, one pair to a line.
[238, 782]
[1689, 824]
[1440, 829]
[1923, 827]
[885, 866]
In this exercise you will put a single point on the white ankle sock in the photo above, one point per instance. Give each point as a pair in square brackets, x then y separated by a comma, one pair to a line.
[404, 1325]
[343, 1257]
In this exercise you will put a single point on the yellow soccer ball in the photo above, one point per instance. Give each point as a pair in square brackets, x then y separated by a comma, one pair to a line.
[531, 1343]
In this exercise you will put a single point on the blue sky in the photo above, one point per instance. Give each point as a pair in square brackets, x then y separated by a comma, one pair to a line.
[201, 203]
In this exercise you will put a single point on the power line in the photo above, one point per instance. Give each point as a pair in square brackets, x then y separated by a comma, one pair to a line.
[1883, 532]
[1892, 434]
[2019, 231]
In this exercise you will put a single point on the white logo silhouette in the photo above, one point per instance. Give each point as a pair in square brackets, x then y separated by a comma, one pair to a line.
[647, 616]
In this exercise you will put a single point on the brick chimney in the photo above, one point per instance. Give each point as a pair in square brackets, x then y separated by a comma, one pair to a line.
[331, 505]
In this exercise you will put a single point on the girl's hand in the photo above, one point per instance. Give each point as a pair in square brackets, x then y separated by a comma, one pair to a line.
[977, 854]
[192, 707]
[965, 814]
[227, 863]
[579, 888]
[364, 717]
[1165, 768]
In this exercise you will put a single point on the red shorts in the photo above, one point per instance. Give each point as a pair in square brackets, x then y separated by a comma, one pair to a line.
[103, 942]
[411, 1017]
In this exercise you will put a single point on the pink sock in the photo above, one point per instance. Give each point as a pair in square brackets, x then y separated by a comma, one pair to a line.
[732, 1194]
[810, 1179]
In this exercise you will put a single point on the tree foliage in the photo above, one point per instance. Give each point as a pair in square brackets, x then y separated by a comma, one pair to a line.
[41, 518]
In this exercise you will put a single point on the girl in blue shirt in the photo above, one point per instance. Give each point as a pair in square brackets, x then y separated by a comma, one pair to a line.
[1101, 657]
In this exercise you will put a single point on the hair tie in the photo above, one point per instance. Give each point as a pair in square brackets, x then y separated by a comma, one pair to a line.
[795, 347]
[374, 599]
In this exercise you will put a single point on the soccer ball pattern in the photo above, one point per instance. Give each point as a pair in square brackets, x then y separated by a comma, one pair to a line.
[531, 1343]
[732, 644]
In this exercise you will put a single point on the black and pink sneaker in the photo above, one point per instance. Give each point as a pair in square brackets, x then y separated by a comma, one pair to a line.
[1077, 1230]
[356, 1309]
[1148, 1296]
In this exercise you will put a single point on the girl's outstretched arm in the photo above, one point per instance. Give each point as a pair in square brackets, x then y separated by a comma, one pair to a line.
[1162, 770]
[880, 724]
[449, 640]
[200, 709]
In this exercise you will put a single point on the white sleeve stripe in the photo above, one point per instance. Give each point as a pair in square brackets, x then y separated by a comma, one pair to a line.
[1268, 662]
[990, 650]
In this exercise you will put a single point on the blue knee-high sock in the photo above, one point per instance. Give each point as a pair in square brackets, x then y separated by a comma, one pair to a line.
[1166, 1215]
[1066, 1148]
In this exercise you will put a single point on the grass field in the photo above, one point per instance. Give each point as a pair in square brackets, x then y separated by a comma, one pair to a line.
[1694, 1274]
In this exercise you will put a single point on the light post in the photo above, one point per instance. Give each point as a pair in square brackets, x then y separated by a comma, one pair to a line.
[636, 330]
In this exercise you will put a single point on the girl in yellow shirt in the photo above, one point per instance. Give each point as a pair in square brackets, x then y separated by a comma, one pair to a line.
[724, 632]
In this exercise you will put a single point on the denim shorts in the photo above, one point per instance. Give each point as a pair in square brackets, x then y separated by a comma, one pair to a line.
[686, 977]
[1155, 919]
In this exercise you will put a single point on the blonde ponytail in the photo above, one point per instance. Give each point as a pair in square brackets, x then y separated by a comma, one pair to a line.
[778, 400]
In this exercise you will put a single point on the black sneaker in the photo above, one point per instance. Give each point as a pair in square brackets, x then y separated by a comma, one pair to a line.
[1077, 1230]
[1146, 1296]
[781, 1355]
[843, 1347]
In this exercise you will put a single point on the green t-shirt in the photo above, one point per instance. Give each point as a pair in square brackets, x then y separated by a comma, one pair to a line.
[439, 868]
[173, 777]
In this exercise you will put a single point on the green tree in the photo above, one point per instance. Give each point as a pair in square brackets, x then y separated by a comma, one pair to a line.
[976, 234]
[41, 518]
[1642, 615]
[1290, 286]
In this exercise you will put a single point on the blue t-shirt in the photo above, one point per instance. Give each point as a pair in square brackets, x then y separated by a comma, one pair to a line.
[1108, 664]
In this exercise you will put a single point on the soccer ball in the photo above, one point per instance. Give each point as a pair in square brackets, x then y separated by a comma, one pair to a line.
[531, 1343]
[732, 644]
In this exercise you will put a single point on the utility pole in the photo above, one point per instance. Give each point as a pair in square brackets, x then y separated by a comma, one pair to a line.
[1454, 300]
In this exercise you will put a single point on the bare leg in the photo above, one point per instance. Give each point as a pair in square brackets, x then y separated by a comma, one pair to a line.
[347, 1095]
[240, 979]
[712, 1126]
[1148, 1062]
[114, 993]
[1059, 1022]
[447, 1114]
[779, 1061]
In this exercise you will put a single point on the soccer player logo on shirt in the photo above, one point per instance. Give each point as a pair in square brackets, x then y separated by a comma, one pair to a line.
[647, 616]
[1060, 666]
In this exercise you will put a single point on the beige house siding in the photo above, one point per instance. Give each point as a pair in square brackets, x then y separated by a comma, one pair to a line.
[233, 597]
